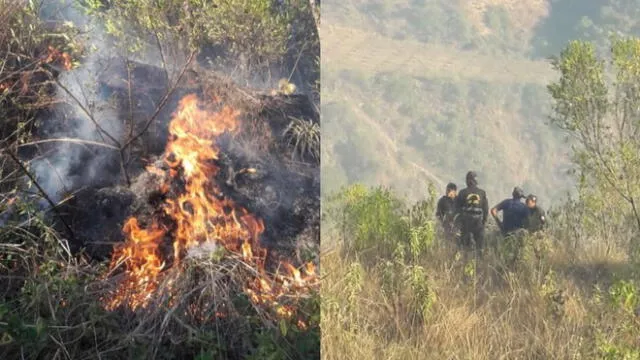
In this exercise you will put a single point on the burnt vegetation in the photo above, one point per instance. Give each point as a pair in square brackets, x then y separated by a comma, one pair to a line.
[89, 92]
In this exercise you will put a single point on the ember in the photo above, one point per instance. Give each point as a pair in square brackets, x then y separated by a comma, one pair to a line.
[55, 55]
[200, 217]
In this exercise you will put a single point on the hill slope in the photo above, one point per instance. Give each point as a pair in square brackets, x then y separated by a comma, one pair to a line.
[402, 113]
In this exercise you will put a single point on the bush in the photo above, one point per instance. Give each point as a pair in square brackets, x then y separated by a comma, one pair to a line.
[373, 218]
[402, 300]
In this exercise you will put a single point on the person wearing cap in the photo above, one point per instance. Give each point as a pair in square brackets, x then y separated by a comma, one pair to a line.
[472, 206]
[535, 219]
[514, 212]
[446, 209]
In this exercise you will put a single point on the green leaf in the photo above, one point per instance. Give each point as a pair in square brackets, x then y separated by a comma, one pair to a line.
[283, 327]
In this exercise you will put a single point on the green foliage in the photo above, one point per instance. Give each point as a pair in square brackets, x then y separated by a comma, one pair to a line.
[354, 283]
[371, 217]
[612, 352]
[304, 136]
[260, 31]
[624, 295]
[600, 116]
[423, 297]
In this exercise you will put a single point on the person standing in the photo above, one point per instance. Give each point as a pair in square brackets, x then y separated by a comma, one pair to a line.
[514, 212]
[446, 210]
[473, 208]
[536, 219]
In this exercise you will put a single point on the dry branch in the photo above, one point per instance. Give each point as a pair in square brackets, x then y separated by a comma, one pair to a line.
[44, 193]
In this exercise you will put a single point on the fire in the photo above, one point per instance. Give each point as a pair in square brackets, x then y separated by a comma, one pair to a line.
[143, 261]
[4, 86]
[54, 55]
[201, 215]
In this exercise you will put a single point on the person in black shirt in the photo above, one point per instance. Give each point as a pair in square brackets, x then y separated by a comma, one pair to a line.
[446, 210]
[536, 219]
[473, 207]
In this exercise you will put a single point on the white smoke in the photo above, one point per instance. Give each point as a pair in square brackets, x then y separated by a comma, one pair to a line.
[67, 167]
[92, 117]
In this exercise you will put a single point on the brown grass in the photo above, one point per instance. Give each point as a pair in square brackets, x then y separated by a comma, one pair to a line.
[493, 315]
[350, 48]
[524, 14]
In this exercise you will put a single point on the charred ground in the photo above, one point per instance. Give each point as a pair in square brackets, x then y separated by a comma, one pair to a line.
[281, 188]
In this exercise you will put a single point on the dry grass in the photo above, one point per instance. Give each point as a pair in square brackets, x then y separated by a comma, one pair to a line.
[536, 312]
[351, 48]
[525, 15]
[51, 306]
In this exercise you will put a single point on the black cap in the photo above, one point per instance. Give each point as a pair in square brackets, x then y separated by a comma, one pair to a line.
[517, 193]
[532, 197]
[451, 186]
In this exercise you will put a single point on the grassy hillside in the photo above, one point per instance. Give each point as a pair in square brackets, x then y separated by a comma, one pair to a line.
[395, 289]
[422, 91]
[460, 85]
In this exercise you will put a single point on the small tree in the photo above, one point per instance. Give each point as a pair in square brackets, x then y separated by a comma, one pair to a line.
[599, 106]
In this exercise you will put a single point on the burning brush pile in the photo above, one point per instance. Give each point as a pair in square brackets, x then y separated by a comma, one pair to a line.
[198, 239]
[160, 208]
[218, 230]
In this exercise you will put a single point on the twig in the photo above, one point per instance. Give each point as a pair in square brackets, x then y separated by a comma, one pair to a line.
[88, 113]
[44, 193]
[163, 102]
[131, 121]
[295, 65]
[164, 62]
[70, 140]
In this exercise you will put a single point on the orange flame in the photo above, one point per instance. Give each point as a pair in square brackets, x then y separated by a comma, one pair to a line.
[199, 216]
[4, 86]
[54, 55]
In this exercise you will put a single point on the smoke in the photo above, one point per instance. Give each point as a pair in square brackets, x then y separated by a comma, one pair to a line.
[67, 166]
[88, 112]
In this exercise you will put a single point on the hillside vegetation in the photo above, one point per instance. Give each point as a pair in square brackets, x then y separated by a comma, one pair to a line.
[399, 63]
[393, 287]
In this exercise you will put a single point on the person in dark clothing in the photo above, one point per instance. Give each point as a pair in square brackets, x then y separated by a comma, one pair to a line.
[446, 210]
[535, 219]
[514, 212]
[472, 207]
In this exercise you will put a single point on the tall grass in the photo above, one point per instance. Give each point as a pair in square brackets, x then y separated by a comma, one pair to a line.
[51, 307]
[416, 296]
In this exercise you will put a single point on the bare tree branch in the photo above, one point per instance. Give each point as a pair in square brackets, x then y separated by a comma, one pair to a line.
[88, 113]
[163, 102]
[70, 140]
